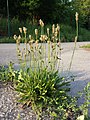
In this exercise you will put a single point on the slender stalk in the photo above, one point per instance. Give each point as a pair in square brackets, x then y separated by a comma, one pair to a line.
[76, 38]
[59, 47]
[77, 29]
[74, 45]
[30, 58]
[73, 53]
[26, 43]
[45, 53]
[48, 53]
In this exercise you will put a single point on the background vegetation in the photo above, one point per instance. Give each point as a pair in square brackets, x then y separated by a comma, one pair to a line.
[28, 12]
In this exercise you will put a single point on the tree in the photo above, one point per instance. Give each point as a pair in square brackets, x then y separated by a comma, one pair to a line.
[63, 11]
[3, 6]
[83, 7]
[14, 7]
[31, 7]
[50, 11]
[40, 8]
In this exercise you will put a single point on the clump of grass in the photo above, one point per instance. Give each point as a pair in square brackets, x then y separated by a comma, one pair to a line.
[38, 81]
[86, 46]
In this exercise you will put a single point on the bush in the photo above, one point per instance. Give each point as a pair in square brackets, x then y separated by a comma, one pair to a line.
[7, 40]
[84, 35]
[3, 27]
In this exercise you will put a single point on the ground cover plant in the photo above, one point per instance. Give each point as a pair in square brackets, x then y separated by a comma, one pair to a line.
[86, 46]
[38, 81]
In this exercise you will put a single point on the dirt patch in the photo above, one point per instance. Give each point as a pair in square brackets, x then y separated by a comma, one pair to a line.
[87, 49]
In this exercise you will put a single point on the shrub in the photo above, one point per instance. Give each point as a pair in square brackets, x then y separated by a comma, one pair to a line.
[7, 40]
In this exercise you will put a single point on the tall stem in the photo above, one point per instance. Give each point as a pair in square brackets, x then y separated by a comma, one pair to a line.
[77, 29]
[76, 38]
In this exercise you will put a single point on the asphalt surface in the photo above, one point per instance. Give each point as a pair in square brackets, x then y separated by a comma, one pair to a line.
[80, 65]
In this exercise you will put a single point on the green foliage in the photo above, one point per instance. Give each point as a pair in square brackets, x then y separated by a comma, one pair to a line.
[3, 73]
[86, 46]
[32, 4]
[57, 11]
[7, 40]
[82, 6]
[46, 10]
[7, 73]
[44, 90]
[3, 24]
[84, 35]
[15, 24]
[86, 105]
[67, 32]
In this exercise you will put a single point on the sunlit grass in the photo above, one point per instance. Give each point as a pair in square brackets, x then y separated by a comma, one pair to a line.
[86, 46]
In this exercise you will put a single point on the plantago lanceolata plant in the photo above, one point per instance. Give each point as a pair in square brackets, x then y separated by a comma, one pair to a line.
[39, 83]
[76, 38]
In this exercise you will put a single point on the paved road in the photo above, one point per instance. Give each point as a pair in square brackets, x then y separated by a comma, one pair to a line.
[80, 66]
[8, 51]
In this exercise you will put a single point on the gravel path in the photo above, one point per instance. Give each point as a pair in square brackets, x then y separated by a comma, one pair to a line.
[9, 108]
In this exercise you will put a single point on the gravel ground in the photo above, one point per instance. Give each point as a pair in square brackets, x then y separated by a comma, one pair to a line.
[9, 108]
